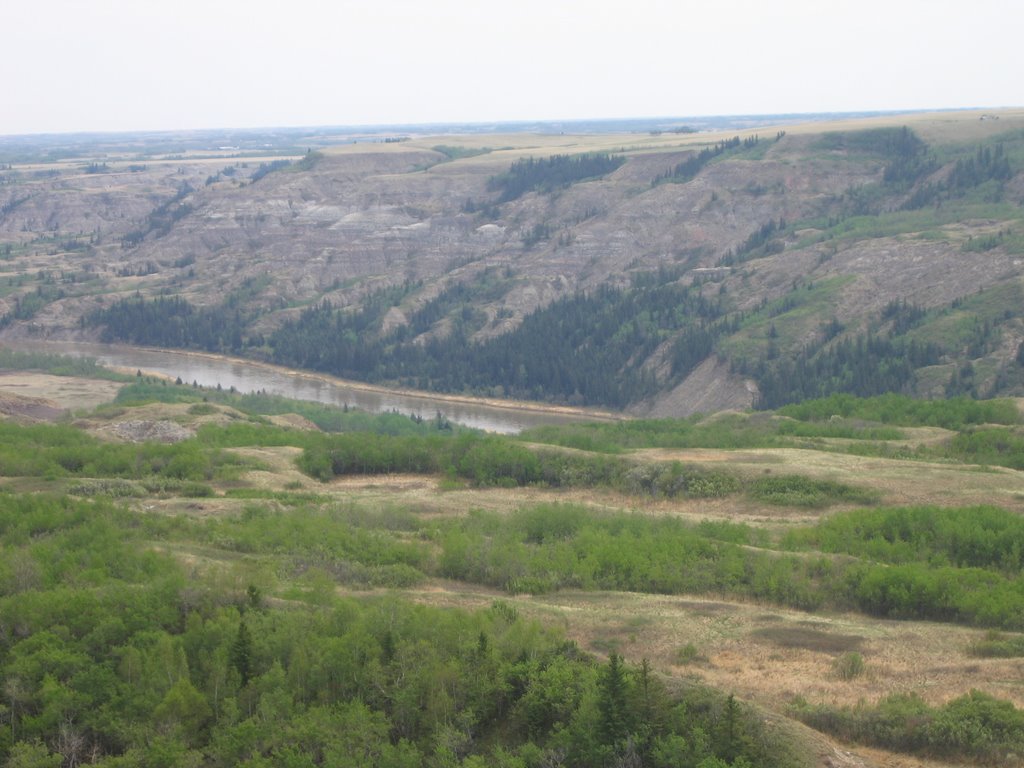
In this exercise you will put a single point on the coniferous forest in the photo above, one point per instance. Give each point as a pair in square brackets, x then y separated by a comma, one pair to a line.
[579, 349]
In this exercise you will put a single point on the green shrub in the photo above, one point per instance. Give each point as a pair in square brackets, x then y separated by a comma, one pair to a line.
[977, 725]
[172, 486]
[981, 537]
[849, 666]
[997, 645]
[840, 429]
[113, 487]
[900, 410]
[1000, 446]
[676, 479]
[800, 491]
[689, 654]
[58, 365]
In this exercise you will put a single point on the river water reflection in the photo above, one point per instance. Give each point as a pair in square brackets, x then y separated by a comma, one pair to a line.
[209, 371]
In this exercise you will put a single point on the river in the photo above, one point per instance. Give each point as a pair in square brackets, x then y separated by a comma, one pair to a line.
[246, 376]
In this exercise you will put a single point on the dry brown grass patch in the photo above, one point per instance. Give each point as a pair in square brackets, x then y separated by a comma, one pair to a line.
[899, 481]
[68, 392]
[769, 665]
[706, 607]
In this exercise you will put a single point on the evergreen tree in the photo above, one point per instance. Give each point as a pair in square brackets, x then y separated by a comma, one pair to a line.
[612, 703]
[729, 741]
[241, 653]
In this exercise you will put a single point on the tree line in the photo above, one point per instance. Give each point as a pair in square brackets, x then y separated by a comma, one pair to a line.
[581, 348]
[865, 365]
[694, 164]
[546, 174]
[171, 321]
[987, 164]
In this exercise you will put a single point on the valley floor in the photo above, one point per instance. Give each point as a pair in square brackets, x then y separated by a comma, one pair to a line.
[768, 654]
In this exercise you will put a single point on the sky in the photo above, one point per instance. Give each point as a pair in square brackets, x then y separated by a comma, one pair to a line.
[111, 65]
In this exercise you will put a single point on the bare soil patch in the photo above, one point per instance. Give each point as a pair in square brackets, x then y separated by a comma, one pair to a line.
[29, 409]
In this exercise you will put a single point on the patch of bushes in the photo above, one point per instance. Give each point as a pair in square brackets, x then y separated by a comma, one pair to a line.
[980, 537]
[550, 547]
[555, 547]
[725, 432]
[112, 487]
[328, 418]
[1000, 446]
[58, 450]
[975, 727]
[57, 365]
[290, 497]
[849, 666]
[841, 429]
[996, 645]
[899, 410]
[679, 480]
[689, 654]
[169, 486]
[800, 491]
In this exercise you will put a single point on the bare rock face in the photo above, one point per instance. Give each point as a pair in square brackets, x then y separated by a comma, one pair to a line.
[354, 221]
[359, 220]
[95, 208]
[708, 389]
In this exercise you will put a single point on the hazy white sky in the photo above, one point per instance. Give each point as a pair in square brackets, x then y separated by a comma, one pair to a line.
[74, 65]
